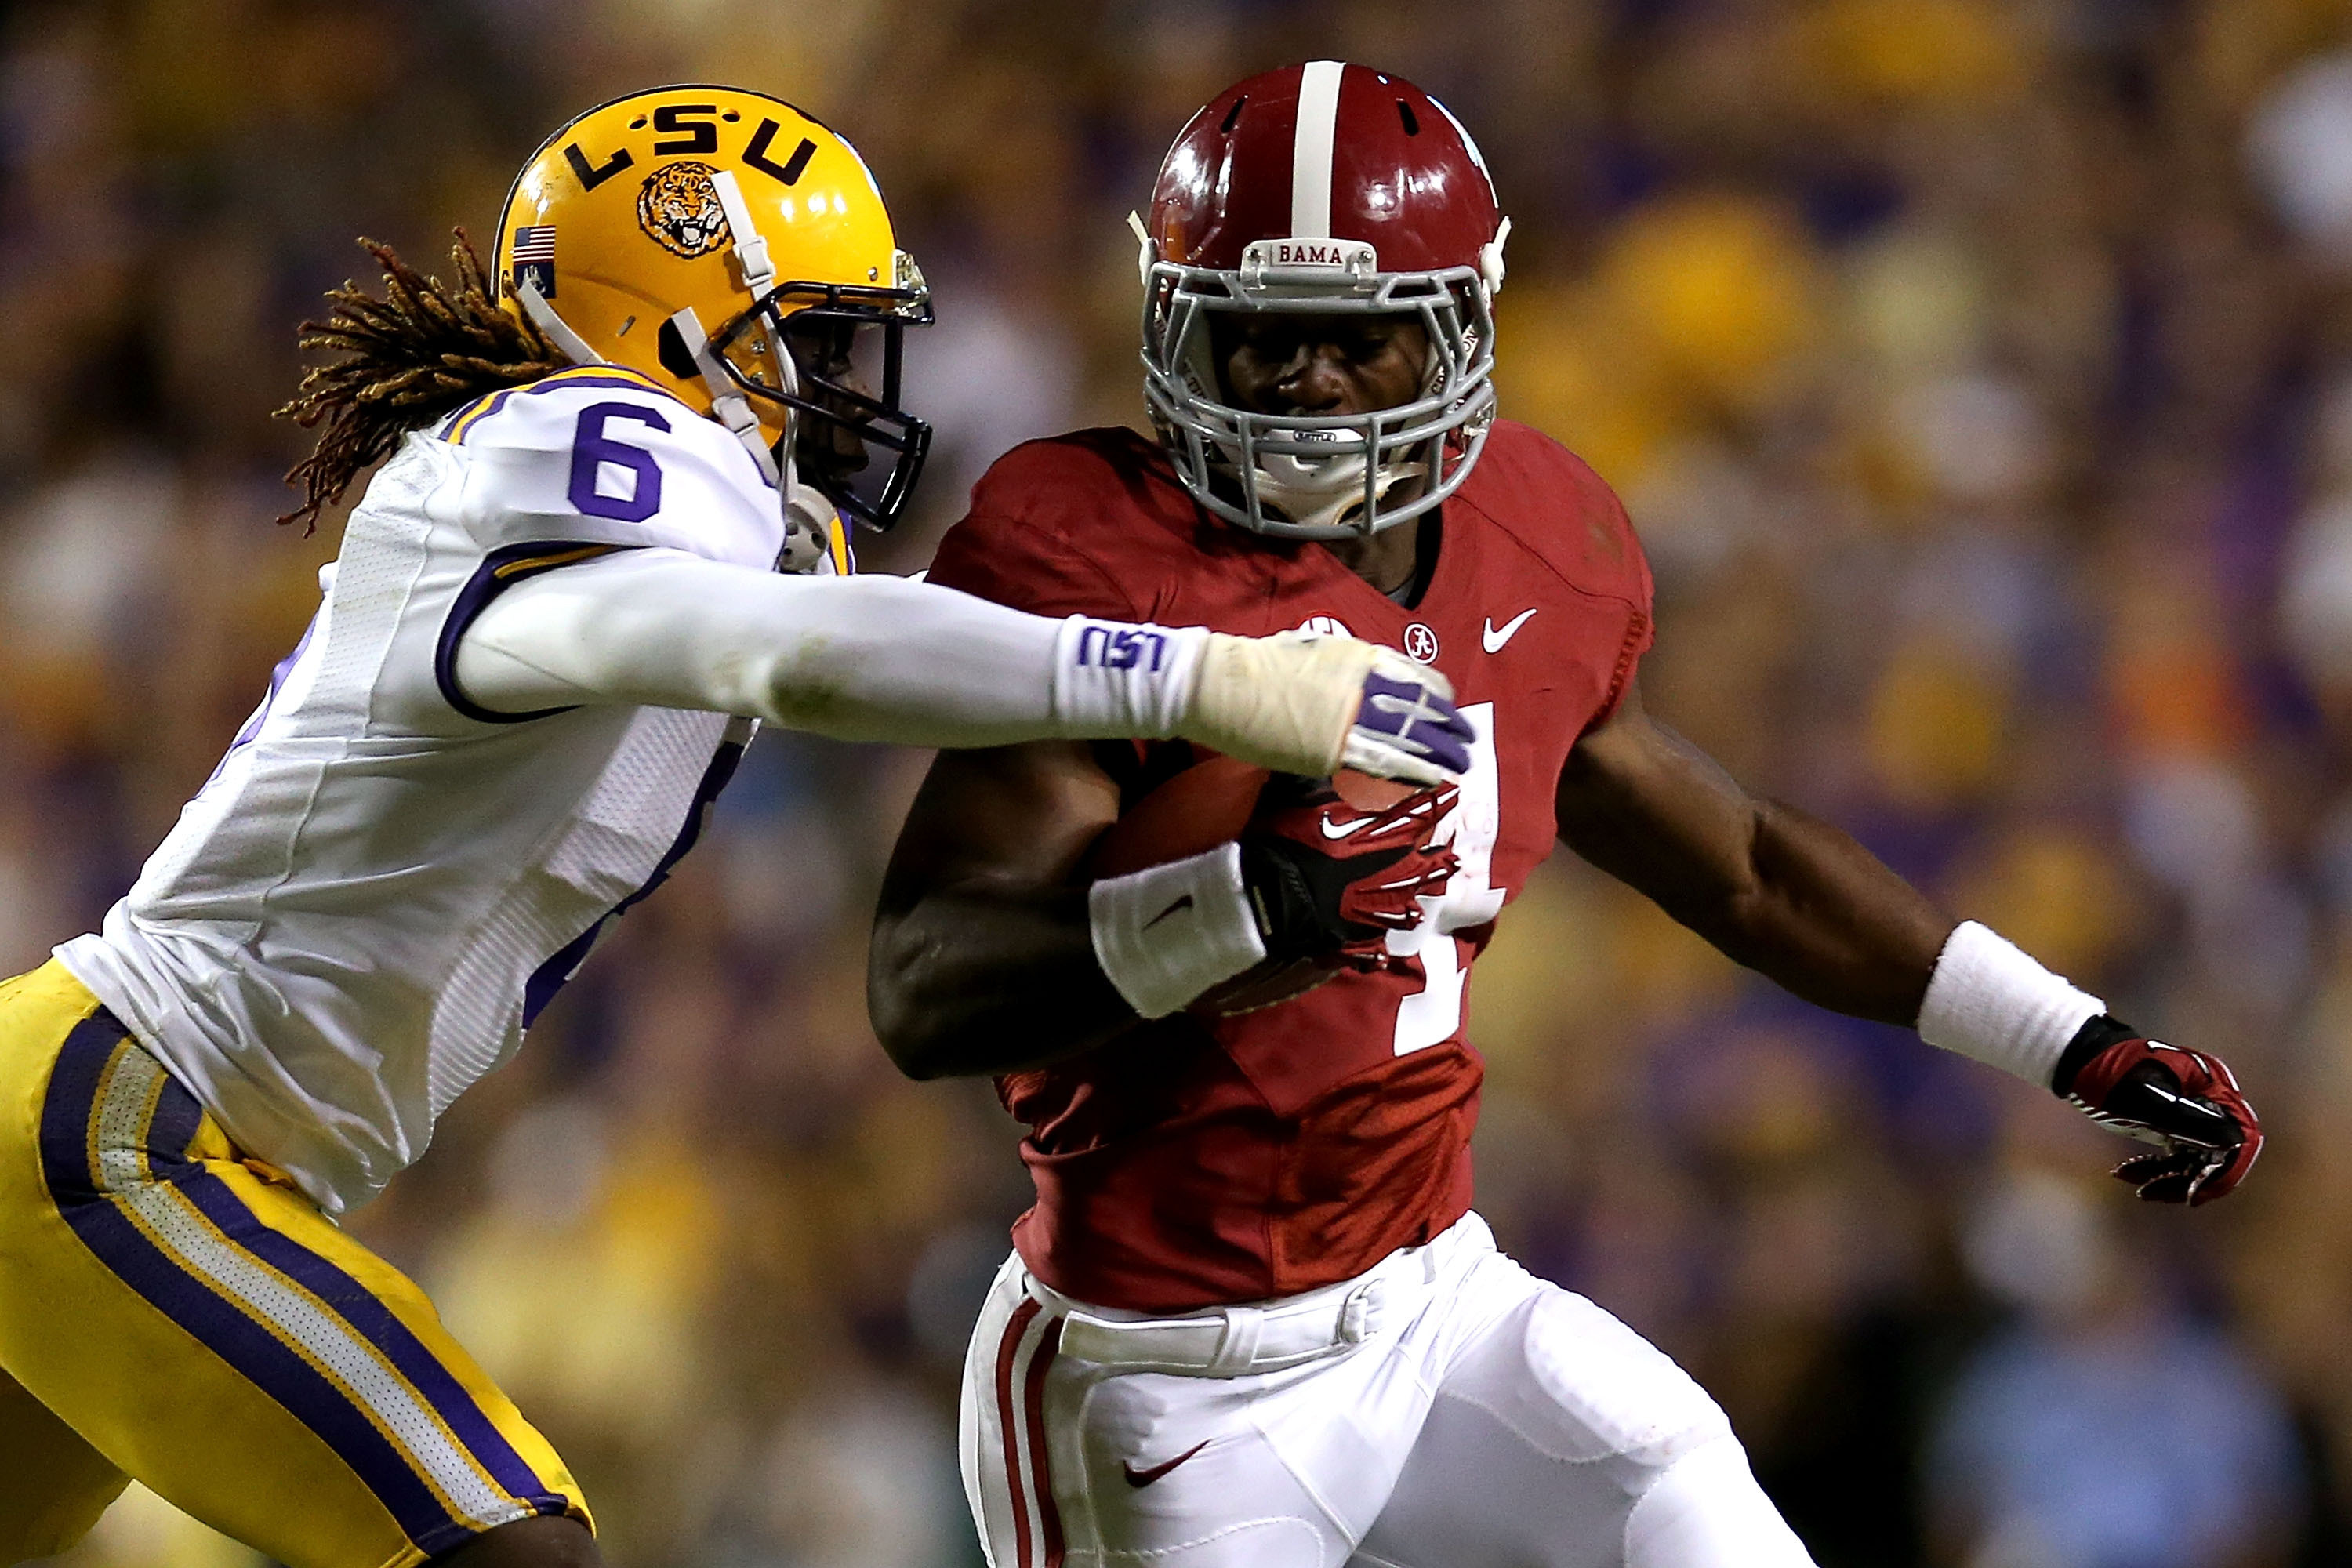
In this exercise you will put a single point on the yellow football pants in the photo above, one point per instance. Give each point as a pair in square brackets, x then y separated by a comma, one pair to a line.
[172, 1312]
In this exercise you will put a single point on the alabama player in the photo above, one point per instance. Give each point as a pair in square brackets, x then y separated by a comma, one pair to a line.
[1252, 1319]
[500, 733]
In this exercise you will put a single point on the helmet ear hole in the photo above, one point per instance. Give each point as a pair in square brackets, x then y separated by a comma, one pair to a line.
[676, 357]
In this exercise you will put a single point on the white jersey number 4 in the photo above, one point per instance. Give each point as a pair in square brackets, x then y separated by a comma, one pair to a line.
[1433, 1013]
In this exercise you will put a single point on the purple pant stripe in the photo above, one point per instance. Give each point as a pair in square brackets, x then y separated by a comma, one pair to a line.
[219, 1324]
[374, 1321]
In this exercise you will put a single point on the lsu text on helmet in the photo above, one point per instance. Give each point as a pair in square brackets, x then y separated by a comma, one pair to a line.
[732, 248]
[1321, 189]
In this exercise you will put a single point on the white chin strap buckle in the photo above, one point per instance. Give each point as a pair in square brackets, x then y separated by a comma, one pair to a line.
[758, 272]
[1145, 254]
[1490, 258]
[814, 540]
[750, 246]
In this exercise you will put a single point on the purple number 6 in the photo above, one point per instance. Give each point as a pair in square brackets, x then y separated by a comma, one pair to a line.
[590, 449]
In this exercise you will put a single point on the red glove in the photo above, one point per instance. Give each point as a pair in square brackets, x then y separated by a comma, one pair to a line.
[1328, 879]
[2185, 1102]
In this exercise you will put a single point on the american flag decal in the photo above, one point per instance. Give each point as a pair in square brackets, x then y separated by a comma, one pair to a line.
[534, 258]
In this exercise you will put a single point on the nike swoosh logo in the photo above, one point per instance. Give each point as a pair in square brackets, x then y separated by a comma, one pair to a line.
[1343, 830]
[1495, 639]
[1136, 1478]
[1177, 907]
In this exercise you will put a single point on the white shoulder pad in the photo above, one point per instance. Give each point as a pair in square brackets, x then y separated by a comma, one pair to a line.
[603, 455]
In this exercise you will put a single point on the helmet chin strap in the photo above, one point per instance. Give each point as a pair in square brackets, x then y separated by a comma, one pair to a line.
[751, 246]
[1490, 258]
[758, 273]
[559, 331]
[809, 515]
[729, 408]
[1146, 253]
[812, 522]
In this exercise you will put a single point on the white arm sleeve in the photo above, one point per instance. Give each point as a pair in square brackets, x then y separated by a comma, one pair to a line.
[865, 658]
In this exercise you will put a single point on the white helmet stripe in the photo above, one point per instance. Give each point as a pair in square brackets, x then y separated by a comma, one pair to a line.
[1310, 149]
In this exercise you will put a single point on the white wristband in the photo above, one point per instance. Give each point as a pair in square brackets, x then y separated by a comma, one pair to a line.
[1990, 1001]
[1113, 679]
[1167, 933]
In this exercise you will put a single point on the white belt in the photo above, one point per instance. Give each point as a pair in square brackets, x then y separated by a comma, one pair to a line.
[1229, 1341]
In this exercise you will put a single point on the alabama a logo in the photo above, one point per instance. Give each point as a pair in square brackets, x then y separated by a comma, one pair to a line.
[679, 208]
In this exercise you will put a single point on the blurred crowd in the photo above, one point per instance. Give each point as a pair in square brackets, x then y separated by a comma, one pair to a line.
[1980, 374]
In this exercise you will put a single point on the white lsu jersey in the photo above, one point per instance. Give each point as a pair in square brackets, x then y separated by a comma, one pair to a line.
[381, 883]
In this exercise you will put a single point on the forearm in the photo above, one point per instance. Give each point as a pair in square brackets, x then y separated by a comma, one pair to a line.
[1773, 888]
[981, 960]
[974, 981]
[1820, 915]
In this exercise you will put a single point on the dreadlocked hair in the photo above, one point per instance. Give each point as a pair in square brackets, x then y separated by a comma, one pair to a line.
[406, 359]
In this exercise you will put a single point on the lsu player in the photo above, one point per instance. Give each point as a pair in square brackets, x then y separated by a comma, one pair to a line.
[553, 617]
[1252, 1319]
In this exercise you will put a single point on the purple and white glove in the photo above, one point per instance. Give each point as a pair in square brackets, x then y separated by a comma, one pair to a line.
[1297, 702]
[1408, 726]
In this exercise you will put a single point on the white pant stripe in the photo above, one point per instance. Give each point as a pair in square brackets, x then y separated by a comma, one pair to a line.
[174, 1222]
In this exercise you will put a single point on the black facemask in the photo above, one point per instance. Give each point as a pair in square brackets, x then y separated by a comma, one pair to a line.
[842, 338]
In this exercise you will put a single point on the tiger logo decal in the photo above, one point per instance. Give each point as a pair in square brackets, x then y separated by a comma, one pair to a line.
[679, 208]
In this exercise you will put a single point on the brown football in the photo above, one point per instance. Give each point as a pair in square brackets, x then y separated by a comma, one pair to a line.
[1199, 808]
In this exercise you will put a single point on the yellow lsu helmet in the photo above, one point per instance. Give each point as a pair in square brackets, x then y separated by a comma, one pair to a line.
[737, 251]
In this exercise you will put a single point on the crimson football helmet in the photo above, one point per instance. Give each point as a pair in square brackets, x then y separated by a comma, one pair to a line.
[1321, 189]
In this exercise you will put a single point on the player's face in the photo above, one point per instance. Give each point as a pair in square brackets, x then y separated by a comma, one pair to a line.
[824, 447]
[1329, 365]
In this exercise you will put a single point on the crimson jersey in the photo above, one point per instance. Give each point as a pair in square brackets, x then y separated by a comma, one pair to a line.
[1199, 1160]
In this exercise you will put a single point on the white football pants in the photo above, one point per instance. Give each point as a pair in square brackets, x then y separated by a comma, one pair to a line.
[1446, 1410]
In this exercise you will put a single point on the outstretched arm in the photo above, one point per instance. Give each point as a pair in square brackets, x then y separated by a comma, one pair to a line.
[1803, 904]
[884, 659]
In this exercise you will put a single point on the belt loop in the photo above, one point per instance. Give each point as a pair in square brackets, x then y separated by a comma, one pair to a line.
[1237, 1347]
[1359, 1314]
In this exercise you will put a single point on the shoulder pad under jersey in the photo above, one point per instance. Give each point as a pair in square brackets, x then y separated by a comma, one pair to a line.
[600, 453]
[1552, 501]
